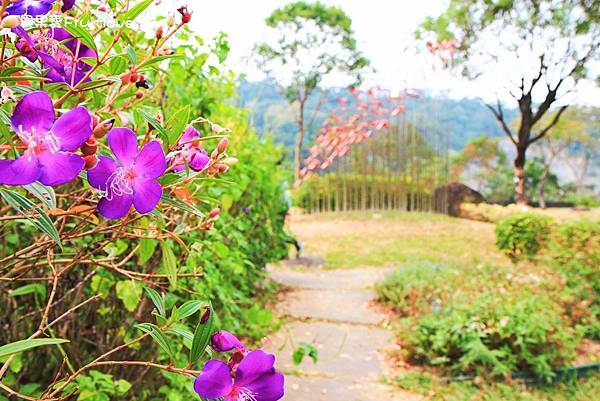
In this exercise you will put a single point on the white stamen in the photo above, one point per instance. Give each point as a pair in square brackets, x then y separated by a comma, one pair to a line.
[246, 395]
[117, 184]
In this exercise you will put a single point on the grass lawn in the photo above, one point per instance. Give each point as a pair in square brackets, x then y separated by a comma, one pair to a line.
[363, 239]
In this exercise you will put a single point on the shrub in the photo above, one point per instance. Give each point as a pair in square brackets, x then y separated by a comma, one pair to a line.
[495, 335]
[574, 252]
[522, 235]
[416, 287]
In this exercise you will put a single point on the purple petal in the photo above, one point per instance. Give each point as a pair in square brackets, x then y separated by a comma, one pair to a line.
[269, 387]
[146, 195]
[25, 170]
[223, 341]
[73, 128]
[199, 160]
[189, 134]
[253, 366]
[123, 143]
[151, 162]
[99, 175]
[30, 7]
[59, 168]
[35, 111]
[177, 163]
[67, 5]
[115, 208]
[214, 381]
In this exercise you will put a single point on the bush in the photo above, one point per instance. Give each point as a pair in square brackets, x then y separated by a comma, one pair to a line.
[574, 252]
[523, 235]
[495, 334]
[416, 287]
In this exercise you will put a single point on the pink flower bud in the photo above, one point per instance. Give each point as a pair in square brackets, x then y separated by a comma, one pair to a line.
[214, 213]
[222, 146]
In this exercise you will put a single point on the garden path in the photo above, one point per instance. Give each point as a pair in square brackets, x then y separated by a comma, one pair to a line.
[331, 309]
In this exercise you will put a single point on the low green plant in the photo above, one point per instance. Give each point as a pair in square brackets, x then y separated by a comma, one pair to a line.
[521, 236]
[495, 335]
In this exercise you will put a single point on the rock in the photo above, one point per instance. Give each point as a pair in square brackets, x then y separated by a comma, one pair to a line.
[454, 194]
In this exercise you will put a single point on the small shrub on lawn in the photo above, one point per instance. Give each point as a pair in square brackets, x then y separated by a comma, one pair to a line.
[523, 235]
[495, 335]
[416, 287]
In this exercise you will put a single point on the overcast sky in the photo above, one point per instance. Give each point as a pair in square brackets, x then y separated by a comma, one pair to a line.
[383, 30]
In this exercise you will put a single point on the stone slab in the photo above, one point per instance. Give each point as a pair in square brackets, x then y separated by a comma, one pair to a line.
[344, 349]
[347, 306]
[316, 279]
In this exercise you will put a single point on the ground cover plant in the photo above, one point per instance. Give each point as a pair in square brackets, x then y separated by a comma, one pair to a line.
[523, 319]
[133, 225]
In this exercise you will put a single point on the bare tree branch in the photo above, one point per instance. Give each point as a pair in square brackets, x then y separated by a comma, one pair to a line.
[500, 117]
[549, 126]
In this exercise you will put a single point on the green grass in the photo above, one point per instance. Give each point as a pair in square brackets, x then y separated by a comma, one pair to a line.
[348, 240]
[434, 389]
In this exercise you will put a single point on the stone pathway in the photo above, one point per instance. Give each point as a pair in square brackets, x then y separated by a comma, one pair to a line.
[330, 309]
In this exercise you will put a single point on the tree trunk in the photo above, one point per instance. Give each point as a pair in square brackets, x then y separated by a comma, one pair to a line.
[543, 188]
[299, 141]
[520, 190]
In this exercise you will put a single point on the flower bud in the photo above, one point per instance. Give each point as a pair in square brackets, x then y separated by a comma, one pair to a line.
[159, 33]
[214, 154]
[90, 161]
[222, 146]
[139, 94]
[95, 121]
[11, 21]
[185, 14]
[90, 147]
[222, 168]
[214, 213]
[103, 128]
[170, 21]
[223, 341]
[230, 161]
[205, 316]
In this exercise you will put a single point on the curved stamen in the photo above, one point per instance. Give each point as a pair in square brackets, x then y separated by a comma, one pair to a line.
[117, 184]
[245, 394]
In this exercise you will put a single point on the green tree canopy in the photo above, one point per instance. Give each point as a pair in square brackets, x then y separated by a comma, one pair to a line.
[308, 42]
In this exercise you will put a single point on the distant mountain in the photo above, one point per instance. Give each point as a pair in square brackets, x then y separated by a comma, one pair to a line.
[270, 113]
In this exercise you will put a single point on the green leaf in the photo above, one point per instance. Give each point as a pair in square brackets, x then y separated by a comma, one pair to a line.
[169, 263]
[146, 250]
[80, 33]
[181, 205]
[23, 205]
[161, 130]
[29, 289]
[134, 11]
[117, 65]
[189, 308]
[23, 345]
[177, 123]
[45, 194]
[202, 336]
[157, 335]
[158, 59]
[131, 54]
[157, 300]
[129, 293]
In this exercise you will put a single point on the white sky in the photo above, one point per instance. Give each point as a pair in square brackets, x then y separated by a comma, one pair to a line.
[383, 29]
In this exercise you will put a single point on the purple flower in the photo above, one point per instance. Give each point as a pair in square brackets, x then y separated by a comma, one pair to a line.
[30, 7]
[60, 53]
[131, 179]
[223, 341]
[255, 379]
[190, 152]
[48, 156]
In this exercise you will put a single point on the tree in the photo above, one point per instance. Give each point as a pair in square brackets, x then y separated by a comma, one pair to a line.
[310, 42]
[546, 45]
[585, 147]
[480, 158]
[565, 133]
